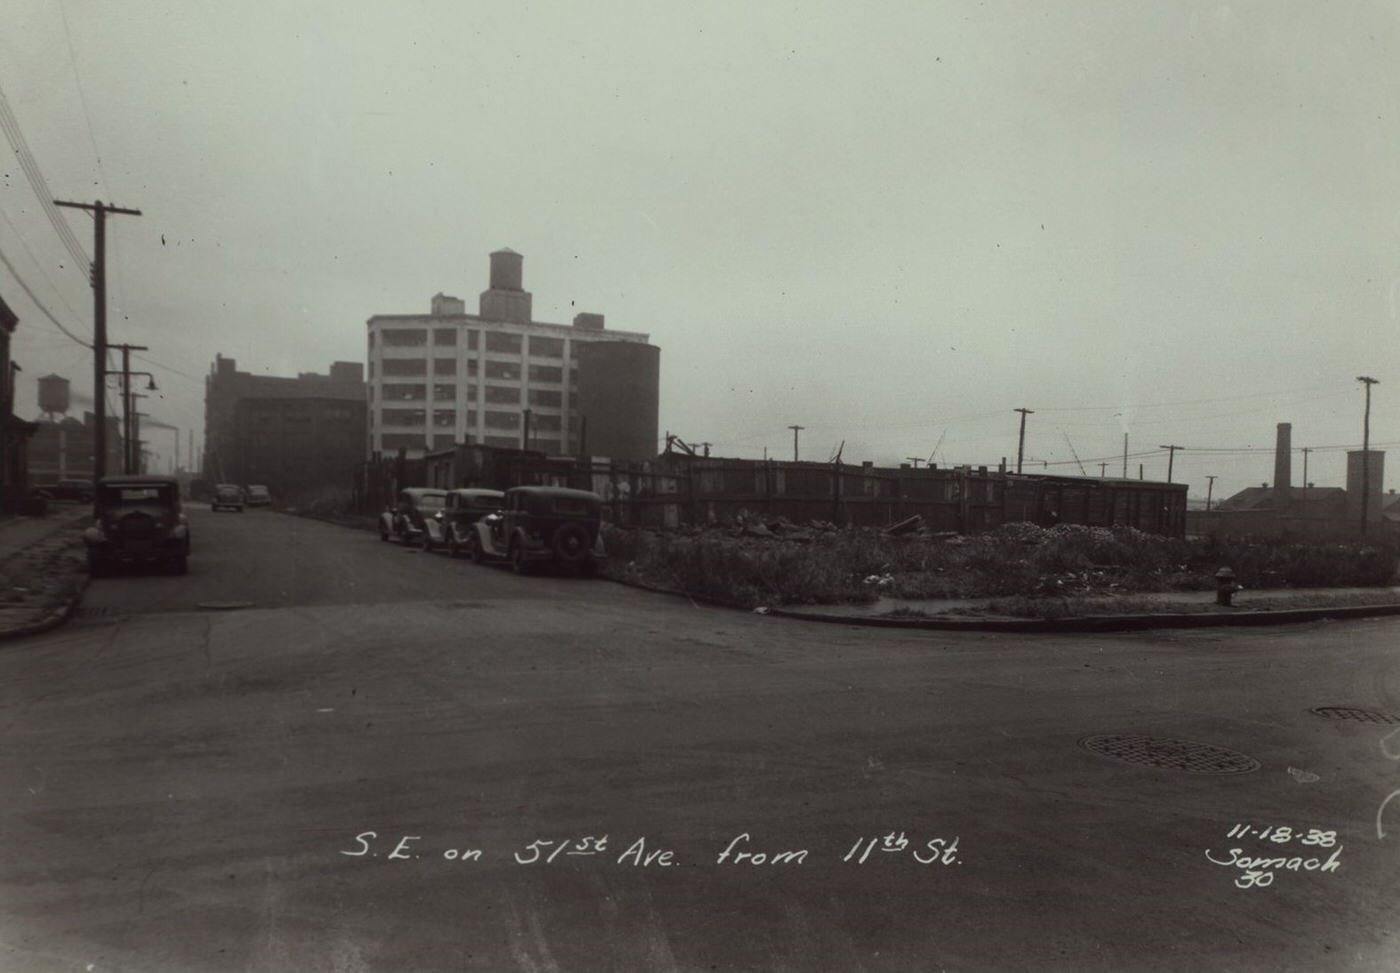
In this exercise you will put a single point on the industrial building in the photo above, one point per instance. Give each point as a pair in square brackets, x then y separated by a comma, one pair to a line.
[1281, 509]
[501, 378]
[293, 435]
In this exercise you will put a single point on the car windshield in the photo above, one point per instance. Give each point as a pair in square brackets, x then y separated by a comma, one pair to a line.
[430, 502]
[130, 496]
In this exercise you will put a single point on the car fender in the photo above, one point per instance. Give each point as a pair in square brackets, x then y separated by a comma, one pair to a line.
[487, 542]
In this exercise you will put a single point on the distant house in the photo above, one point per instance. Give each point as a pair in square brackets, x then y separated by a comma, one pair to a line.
[1310, 503]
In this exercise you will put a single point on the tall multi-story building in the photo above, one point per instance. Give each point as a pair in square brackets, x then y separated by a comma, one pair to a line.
[268, 443]
[501, 378]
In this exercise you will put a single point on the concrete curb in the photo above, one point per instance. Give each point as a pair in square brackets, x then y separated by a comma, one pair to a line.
[1100, 623]
[54, 618]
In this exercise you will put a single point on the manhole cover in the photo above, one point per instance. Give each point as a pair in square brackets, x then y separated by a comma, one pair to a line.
[1356, 715]
[223, 605]
[1168, 754]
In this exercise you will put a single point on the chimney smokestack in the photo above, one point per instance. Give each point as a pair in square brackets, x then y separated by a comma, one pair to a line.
[1283, 465]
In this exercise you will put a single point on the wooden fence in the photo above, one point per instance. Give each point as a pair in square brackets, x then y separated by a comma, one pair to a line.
[673, 491]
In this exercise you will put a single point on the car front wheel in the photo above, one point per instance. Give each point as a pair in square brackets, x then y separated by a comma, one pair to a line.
[426, 542]
[517, 558]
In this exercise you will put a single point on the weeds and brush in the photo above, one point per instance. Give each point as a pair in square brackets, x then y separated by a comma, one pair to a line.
[796, 566]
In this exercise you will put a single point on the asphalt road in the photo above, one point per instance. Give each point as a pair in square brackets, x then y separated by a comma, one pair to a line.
[391, 761]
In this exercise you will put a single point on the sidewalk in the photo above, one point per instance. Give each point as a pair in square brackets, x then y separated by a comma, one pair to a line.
[1174, 609]
[43, 570]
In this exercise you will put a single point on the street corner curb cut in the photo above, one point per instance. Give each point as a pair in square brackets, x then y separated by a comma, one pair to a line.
[54, 618]
[1099, 623]
[673, 592]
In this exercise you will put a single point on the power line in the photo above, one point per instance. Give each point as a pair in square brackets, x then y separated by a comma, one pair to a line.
[15, 136]
[39, 304]
[82, 96]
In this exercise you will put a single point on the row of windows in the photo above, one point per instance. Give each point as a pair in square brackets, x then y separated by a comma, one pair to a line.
[499, 341]
[448, 418]
[507, 371]
[392, 441]
[495, 395]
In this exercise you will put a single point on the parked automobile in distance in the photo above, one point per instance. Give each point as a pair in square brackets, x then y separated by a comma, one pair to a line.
[405, 520]
[257, 496]
[538, 525]
[139, 519]
[451, 527]
[79, 490]
[227, 496]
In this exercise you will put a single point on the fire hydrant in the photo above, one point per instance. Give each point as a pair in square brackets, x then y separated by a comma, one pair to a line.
[1225, 587]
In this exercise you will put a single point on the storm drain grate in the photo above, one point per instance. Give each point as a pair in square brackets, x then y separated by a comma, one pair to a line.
[1355, 715]
[1168, 754]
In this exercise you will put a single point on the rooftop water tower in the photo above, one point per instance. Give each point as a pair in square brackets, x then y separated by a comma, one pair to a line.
[54, 398]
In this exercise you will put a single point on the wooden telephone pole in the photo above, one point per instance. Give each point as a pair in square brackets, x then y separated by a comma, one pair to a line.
[99, 327]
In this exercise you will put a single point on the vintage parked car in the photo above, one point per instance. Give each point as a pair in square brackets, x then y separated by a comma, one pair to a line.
[139, 519]
[538, 524]
[257, 496]
[405, 521]
[79, 490]
[227, 496]
[451, 527]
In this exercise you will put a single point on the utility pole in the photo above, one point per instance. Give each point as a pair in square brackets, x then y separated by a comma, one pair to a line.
[1021, 445]
[99, 326]
[916, 460]
[1103, 470]
[1125, 455]
[130, 457]
[795, 430]
[1306, 451]
[1210, 488]
[135, 435]
[706, 447]
[1365, 452]
[1171, 455]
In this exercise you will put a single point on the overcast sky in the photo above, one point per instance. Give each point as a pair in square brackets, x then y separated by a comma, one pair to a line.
[892, 224]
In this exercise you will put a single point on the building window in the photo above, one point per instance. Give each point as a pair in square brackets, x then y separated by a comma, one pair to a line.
[444, 336]
[503, 342]
[472, 418]
[403, 440]
[502, 395]
[506, 442]
[471, 366]
[371, 371]
[504, 370]
[445, 417]
[546, 373]
[444, 442]
[503, 420]
[444, 366]
[472, 339]
[394, 392]
[404, 366]
[541, 347]
[546, 397]
[405, 337]
[445, 393]
[545, 422]
[404, 417]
